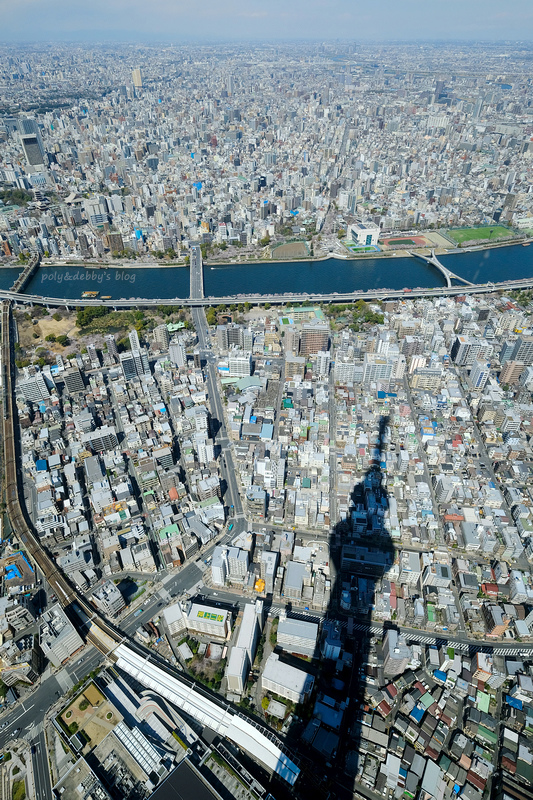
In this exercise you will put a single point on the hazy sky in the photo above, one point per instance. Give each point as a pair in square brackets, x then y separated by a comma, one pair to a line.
[178, 20]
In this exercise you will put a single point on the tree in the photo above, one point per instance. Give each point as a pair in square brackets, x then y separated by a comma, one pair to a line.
[56, 316]
[265, 241]
[63, 340]
[211, 316]
[50, 338]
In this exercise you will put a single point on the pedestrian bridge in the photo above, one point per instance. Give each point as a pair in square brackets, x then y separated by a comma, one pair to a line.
[447, 273]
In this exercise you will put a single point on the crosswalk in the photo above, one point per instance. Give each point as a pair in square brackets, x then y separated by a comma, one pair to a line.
[275, 611]
[464, 647]
[412, 637]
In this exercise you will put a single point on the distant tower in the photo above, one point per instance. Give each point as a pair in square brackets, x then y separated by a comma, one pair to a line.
[230, 85]
[137, 78]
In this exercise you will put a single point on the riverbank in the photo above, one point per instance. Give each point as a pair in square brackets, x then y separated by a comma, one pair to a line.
[352, 257]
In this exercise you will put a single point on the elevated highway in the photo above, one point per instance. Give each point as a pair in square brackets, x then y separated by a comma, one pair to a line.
[273, 299]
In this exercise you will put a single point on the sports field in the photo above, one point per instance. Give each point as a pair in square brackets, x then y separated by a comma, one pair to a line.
[290, 250]
[411, 241]
[470, 234]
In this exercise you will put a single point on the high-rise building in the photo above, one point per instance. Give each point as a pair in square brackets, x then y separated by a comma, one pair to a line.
[162, 336]
[133, 336]
[73, 380]
[239, 363]
[466, 350]
[34, 388]
[314, 338]
[137, 78]
[111, 344]
[523, 350]
[109, 599]
[177, 353]
[33, 149]
[127, 362]
[396, 654]
[511, 372]
[479, 374]
[58, 637]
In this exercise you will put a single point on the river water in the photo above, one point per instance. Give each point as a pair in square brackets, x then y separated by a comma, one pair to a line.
[498, 264]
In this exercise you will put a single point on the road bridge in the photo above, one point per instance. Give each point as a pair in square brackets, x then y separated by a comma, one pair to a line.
[448, 274]
[196, 273]
[26, 274]
[273, 299]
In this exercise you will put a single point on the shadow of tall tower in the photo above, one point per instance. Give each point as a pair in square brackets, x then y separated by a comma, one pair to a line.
[361, 554]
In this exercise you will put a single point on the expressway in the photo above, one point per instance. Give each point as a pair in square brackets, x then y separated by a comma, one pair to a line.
[280, 299]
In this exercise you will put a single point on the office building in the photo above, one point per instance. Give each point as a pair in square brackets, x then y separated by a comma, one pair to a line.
[219, 566]
[208, 621]
[127, 363]
[58, 638]
[523, 350]
[32, 150]
[237, 564]
[465, 350]
[269, 566]
[109, 599]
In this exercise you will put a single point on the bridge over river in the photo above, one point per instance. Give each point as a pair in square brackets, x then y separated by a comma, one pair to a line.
[274, 299]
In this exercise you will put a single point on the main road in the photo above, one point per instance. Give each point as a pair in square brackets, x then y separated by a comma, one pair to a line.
[220, 434]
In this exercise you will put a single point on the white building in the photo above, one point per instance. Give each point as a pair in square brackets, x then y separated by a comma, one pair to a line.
[109, 599]
[297, 636]
[289, 682]
[365, 234]
[219, 566]
[177, 353]
[239, 363]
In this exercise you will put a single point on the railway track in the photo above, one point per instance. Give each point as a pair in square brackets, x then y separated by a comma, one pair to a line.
[98, 631]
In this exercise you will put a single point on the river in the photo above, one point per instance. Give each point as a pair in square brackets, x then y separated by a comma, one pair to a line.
[498, 264]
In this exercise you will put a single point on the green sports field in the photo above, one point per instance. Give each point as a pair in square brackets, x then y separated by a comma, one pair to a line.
[469, 234]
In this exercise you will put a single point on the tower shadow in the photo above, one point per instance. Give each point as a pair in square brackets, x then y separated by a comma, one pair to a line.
[348, 687]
